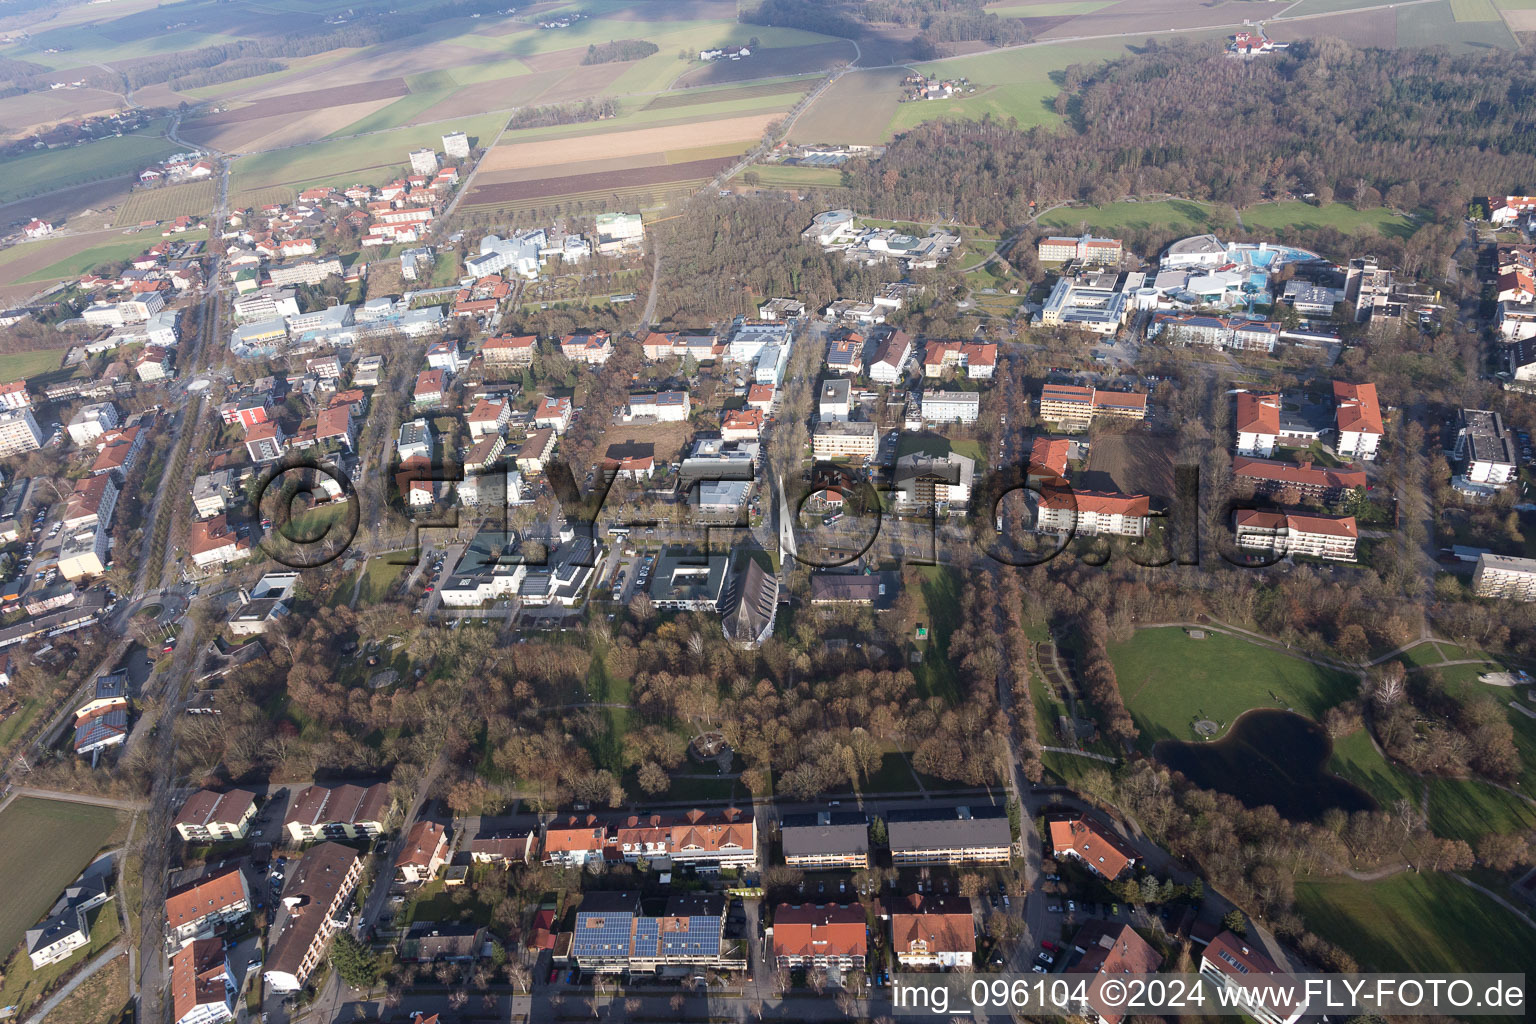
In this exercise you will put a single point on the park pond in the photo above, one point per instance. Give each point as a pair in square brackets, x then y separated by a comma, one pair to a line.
[1269, 757]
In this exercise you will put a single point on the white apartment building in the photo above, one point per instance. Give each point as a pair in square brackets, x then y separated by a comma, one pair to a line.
[1282, 534]
[1258, 424]
[92, 421]
[1359, 420]
[1092, 513]
[1505, 576]
[1485, 448]
[415, 438]
[951, 406]
[456, 146]
[834, 440]
[834, 404]
[424, 161]
[19, 432]
[1234, 965]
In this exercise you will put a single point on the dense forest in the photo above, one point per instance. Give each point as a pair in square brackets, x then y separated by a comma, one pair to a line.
[562, 113]
[623, 49]
[1407, 128]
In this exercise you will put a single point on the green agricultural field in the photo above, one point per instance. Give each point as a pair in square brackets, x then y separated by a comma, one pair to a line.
[49, 170]
[1064, 8]
[166, 203]
[21, 365]
[1473, 10]
[1469, 809]
[1415, 922]
[110, 252]
[401, 112]
[1437, 25]
[1172, 214]
[373, 159]
[1339, 216]
[44, 845]
[1168, 680]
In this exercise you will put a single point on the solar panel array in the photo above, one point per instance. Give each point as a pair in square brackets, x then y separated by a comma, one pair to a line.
[701, 938]
[602, 935]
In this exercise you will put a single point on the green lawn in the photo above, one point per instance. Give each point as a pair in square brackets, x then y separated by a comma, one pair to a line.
[790, 176]
[941, 614]
[20, 365]
[44, 845]
[1019, 85]
[23, 985]
[1469, 809]
[47, 170]
[1339, 216]
[1525, 734]
[1169, 680]
[1415, 922]
[378, 576]
[1172, 214]
[1355, 759]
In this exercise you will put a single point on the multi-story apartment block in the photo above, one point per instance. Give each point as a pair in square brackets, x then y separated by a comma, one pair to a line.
[1215, 331]
[338, 812]
[15, 395]
[1239, 967]
[977, 359]
[1324, 485]
[1505, 576]
[1077, 407]
[1359, 420]
[836, 440]
[1093, 513]
[891, 358]
[593, 348]
[926, 484]
[820, 935]
[1281, 534]
[1086, 249]
[314, 908]
[203, 987]
[826, 839]
[305, 271]
[957, 836]
[613, 935]
[196, 910]
[212, 817]
[707, 841]
[1369, 287]
[502, 848]
[456, 146]
[663, 407]
[1485, 449]
[933, 931]
[834, 403]
[506, 351]
[1258, 424]
[19, 432]
[951, 406]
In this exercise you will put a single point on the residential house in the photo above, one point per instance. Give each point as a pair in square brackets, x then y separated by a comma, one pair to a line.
[741, 425]
[58, 937]
[266, 442]
[536, 451]
[333, 426]
[846, 355]
[502, 848]
[445, 356]
[977, 359]
[661, 406]
[1109, 949]
[424, 851]
[573, 841]
[505, 352]
[1047, 461]
[489, 416]
[213, 543]
[1093, 843]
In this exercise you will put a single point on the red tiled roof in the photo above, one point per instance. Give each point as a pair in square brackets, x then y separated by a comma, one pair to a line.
[1302, 476]
[1094, 843]
[1258, 414]
[1051, 455]
[211, 895]
[1099, 502]
[1357, 407]
[808, 930]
